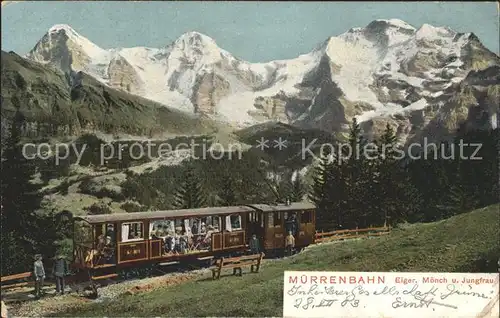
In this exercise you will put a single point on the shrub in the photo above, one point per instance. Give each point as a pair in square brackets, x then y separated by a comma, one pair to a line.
[131, 206]
[98, 208]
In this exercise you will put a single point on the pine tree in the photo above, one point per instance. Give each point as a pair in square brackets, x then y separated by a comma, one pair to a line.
[456, 201]
[190, 193]
[298, 188]
[292, 187]
[478, 170]
[317, 191]
[355, 175]
[433, 179]
[227, 192]
[388, 178]
[19, 199]
[327, 193]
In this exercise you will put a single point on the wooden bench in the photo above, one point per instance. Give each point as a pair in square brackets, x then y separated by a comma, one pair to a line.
[9, 281]
[236, 263]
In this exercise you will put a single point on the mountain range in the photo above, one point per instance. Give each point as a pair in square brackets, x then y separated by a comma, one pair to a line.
[425, 81]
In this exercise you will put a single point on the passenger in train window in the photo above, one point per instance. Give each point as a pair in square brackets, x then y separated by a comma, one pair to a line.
[110, 231]
[154, 235]
[235, 222]
[194, 228]
[210, 230]
[203, 229]
[161, 231]
[170, 244]
[101, 242]
[216, 224]
[177, 236]
[183, 244]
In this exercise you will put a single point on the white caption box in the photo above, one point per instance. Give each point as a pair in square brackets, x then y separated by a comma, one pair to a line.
[375, 294]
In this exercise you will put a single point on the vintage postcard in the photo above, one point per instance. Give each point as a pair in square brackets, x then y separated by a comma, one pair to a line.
[250, 159]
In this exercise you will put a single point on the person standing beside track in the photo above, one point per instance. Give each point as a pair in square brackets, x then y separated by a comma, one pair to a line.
[59, 270]
[39, 273]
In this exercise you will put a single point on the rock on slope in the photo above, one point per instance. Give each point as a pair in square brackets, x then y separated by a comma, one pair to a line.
[386, 72]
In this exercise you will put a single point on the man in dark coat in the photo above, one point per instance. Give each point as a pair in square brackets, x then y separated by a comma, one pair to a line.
[59, 270]
[254, 245]
[292, 224]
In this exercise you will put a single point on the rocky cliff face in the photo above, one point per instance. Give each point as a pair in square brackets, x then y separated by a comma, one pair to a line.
[123, 76]
[388, 71]
[208, 90]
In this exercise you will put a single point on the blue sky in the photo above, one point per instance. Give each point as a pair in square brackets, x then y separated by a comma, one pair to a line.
[254, 31]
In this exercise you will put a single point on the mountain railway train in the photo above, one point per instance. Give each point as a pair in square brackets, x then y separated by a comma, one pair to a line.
[108, 244]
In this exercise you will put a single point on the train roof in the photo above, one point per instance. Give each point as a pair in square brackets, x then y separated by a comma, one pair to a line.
[151, 215]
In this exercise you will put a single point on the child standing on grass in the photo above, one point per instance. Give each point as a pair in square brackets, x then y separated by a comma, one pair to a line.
[39, 273]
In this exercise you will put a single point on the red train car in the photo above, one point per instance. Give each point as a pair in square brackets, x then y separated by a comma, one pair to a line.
[111, 242]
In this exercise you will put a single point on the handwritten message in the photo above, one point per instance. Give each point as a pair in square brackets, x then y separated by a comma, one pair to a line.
[374, 294]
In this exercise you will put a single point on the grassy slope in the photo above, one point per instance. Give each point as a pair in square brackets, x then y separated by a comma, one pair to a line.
[454, 245]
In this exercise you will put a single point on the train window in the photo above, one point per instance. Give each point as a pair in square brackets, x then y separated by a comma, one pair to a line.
[270, 220]
[236, 222]
[212, 223]
[161, 228]
[277, 219]
[178, 223]
[132, 231]
[252, 217]
[83, 233]
[179, 226]
[216, 223]
[186, 227]
[195, 226]
[110, 233]
[305, 217]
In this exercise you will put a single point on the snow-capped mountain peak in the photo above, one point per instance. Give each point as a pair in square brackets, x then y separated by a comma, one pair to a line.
[195, 39]
[397, 23]
[66, 49]
[387, 66]
[65, 27]
[194, 49]
[427, 31]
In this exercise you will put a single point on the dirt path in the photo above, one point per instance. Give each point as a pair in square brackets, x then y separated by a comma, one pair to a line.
[50, 304]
